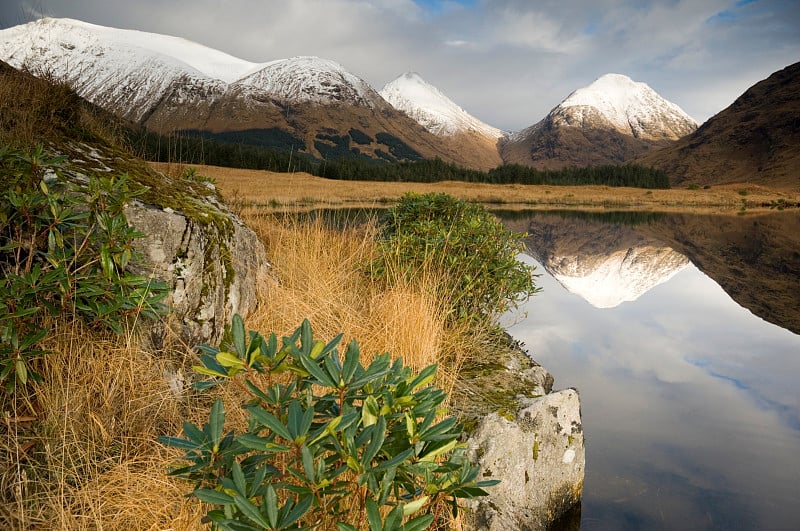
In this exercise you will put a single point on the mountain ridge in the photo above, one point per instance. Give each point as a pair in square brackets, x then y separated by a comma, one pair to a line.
[135, 75]
[170, 85]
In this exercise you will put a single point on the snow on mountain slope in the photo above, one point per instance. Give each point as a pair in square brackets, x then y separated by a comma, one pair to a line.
[311, 79]
[433, 110]
[116, 44]
[128, 72]
[132, 72]
[631, 107]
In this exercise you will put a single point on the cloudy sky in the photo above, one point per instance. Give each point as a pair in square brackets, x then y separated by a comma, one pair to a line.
[508, 62]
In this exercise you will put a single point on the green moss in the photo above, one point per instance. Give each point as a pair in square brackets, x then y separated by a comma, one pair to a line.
[492, 387]
[508, 415]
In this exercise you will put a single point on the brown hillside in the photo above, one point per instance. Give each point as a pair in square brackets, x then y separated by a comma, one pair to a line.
[315, 123]
[550, 146]
[755, 140]
[40, 111]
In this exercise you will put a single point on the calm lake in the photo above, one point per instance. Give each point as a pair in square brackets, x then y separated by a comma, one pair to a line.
[690, 401]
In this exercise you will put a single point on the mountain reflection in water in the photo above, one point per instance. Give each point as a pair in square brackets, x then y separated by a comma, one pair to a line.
[690, 401]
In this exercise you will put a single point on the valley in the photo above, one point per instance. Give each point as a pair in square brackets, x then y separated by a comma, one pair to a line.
[303, 191]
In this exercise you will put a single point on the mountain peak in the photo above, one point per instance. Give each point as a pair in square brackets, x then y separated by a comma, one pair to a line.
[611, 121]
[433, 110]
[630, 106]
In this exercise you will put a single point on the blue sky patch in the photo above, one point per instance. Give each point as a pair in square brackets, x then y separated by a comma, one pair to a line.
[436, 6]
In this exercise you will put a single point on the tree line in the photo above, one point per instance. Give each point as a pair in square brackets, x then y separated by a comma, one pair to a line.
[193, 149]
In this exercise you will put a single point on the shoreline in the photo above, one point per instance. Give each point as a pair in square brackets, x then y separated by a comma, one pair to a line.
[298, 191]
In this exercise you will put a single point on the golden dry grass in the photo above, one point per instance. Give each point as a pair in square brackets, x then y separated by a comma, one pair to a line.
[278, 191]
[321, 274]
[85, 456]
[42, 109]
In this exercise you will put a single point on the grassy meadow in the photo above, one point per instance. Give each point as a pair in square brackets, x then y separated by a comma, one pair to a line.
[292, 191]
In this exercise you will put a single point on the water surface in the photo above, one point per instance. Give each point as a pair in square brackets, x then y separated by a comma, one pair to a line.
[690, 402]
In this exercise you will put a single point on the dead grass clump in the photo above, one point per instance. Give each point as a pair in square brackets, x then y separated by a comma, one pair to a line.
[321, 273]
[134, 495]
[89, 448]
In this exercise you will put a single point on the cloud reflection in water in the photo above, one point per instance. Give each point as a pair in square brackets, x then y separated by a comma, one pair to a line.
[690, 405]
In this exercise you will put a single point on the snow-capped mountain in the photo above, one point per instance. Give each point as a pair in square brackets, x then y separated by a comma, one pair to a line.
[632, 108]
[126, 71]
[432, 109]
[611, 121]
[131, 72]
[168, 84]
[606, 281]
[604, 263]
[311, 79]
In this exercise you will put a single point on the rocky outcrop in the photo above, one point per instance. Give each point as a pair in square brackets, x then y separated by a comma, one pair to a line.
[209, 259]
[211, 264]
[528, 437]
[539, 457]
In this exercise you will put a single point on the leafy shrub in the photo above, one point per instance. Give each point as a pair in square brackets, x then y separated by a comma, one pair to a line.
[338, 442]
[63, 252]
[474, 254]
[190, 174]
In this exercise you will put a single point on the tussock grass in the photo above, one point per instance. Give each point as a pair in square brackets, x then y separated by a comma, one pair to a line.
[321, 273]
[79, 451]
[42, 108]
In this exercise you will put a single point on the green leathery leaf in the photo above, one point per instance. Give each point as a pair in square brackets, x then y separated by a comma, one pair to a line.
[308, 463]
[238, 478]
[215, 423]
[207, 372]
[297, 512]
[251, 511]
[214, 497]
[419, 523]
[237, 331]
[22, 371]
[373, 516]
[375, 444]
[317, 350]
[271, 500]
[414, 506]
[228, 359]
[369, 413]
[271, 422]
